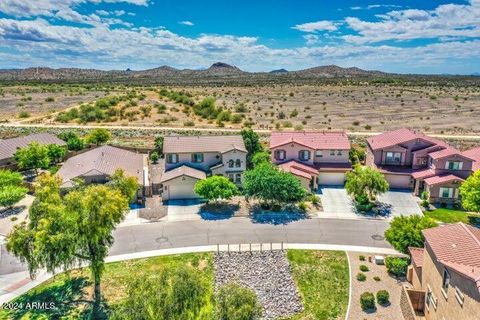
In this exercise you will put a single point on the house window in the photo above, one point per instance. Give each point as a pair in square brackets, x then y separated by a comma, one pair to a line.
[454, 165]
[318, 153]
[231, 177]
[197, 157]
[394, 157]
[304, 155]
[238, 178]
[430, 299]
[445, 281]
[238, 163]
[446, 192]
[339, 152]
[280, 154]
[332, 152]
[172, 158]
[231, 163]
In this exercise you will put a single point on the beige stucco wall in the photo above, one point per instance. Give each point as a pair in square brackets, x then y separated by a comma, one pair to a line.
[439, 166]
[183, 180]
[434, 192]
[209, 159]
[449, 307]
[292, 150]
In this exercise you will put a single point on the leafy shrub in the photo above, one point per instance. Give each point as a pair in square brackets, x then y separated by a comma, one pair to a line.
[23, 114]
[364, 268]
[189, 124]
[361, 276]
[362, 258]
[383, 297]
[236, 303]
[406, 231]
[50, 99]
[302, 206]
[367, 301]
[397, 266]
[377, 278]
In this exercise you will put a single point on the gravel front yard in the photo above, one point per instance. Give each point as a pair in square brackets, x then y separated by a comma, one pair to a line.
[387, 282]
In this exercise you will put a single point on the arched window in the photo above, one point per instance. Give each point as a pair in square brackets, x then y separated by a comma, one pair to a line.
[238, 178]
[238, 163]
[231, 163]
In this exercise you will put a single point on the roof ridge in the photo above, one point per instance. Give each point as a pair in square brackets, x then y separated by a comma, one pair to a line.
[470, 233]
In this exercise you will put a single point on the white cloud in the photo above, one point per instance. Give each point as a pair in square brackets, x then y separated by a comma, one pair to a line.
[445, 21]
[186, 23]
[323, 25]
[311, 39]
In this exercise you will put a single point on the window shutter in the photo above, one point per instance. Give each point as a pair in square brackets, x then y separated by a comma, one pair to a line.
[450, 192]
[456, 193]
[300, 155]
[440, 194]
[460, 166]
[447, 164]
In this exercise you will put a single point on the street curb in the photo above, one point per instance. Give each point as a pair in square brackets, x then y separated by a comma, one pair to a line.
[44, 276]
[349, 286]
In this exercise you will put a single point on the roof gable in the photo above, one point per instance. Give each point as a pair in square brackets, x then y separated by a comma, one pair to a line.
[8, 147]
[203, 143]
[312, 140]
[403, 135]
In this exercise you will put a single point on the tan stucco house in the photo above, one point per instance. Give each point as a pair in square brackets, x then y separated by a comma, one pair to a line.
[445, 275]
[315, 158]
[412, 160]
[192, 158]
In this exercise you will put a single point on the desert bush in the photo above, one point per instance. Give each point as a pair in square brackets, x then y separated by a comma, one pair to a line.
[364, 268]
[361, 276]
[383, 297]
[362, 258]
[397, 266]
[367, 301]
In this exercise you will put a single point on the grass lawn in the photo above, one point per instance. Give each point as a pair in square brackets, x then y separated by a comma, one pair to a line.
[321, 278]
[452, 216]
[323, 281]
[72, 291]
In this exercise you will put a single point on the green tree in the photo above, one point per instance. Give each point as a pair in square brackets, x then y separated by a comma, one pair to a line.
[470, 192]
[252, 144]
[177, 293]
[159, 143]
[271, 185]
[98, 136]
[64, 231]
[237, 303]
[406, 232]
[215, 188]
[260, 157]
[56, 153]
[365, 182]
[34, 156]
[11, 188]
[73, 140]
[127, 185]
[154, 157]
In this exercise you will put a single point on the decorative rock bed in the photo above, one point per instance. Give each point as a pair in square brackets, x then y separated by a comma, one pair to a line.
[267, 274]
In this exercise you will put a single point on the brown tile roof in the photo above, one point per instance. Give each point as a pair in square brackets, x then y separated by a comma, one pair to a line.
[400, 136]
[333, 166]
[447, 152]
[422, 174]
[183, 171]
[457, 246]
[8, 147]
[189, 144]
[417, 256]
[313, 140]
[441, 179]
[474, 154]
[103, 160]
[298, 169]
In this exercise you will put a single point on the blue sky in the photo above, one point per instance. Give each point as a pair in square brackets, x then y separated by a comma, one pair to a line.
[395, 36]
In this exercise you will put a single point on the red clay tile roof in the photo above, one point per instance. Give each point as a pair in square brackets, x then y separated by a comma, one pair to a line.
[474, 154]
[8, 147]
[298, 169]
[333, 166]
[441, 179]
[417, 256]
[422, 174]
[102, 160]
[447, 152]
[399, 136]
[457, 246]
[189, 144]
[313, 140]
[183, 171]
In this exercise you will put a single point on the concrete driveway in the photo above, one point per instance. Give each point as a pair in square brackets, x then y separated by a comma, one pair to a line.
[400, 202]
[336, 203]
[179, 210]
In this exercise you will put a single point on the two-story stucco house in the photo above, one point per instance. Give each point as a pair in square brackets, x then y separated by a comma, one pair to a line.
[192, 158]
[446, 273]
[415, 161]
[315, 158]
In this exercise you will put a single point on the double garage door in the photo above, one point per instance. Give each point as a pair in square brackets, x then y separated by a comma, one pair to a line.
[179, 189]
[398, 181]
[331, 178]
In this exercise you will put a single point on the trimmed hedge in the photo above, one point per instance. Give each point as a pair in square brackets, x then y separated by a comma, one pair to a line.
[383, 297]
[367, 301]
[397, 266]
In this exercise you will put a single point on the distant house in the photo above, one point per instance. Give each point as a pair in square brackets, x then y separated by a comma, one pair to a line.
[445, 274]
[315, 158]
[97, 165]
[412, 160]
[9, 147]
[192, 158]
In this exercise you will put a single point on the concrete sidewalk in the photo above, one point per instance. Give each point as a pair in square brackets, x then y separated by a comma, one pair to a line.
[15, 284]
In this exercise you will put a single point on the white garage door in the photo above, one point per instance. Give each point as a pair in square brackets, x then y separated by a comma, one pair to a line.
[331, 178]
[182, 190]
[398, 181]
